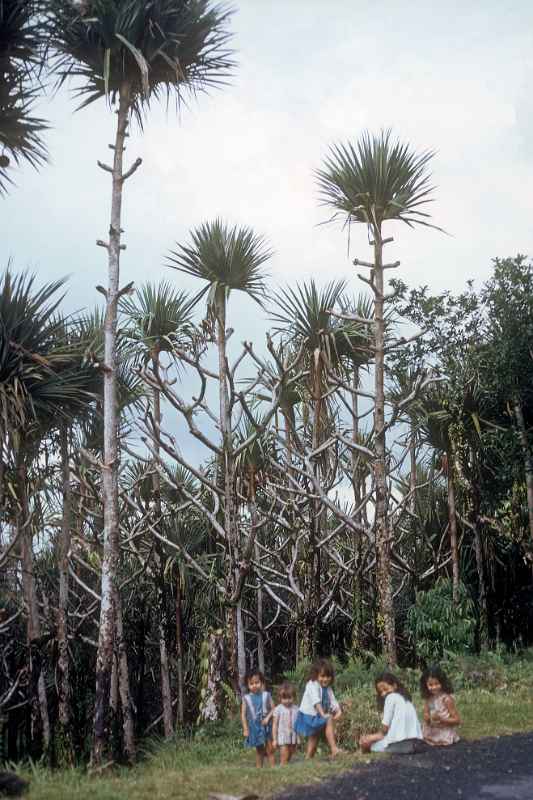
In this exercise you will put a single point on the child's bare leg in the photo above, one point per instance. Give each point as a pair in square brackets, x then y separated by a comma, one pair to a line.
[330, 737]
[284, 754]
[292, 749]
[366, 742]
[259, 756]
[312, 744]
[271, 755]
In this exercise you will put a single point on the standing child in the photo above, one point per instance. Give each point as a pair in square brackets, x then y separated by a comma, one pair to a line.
[400, 722]
[441, 718]
[319, 709]
[255, 717]
[284, 735]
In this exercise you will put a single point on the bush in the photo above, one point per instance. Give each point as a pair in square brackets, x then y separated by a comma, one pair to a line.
[437, 627]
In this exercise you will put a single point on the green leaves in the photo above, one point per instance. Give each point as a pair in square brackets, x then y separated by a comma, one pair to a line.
[20, 131]
[158, 48]
[160, 317]
[376, 180]
[226, 258]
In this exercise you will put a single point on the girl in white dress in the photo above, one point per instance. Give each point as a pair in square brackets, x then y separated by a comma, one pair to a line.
[400, 722]
[319, 709]
[284, 736]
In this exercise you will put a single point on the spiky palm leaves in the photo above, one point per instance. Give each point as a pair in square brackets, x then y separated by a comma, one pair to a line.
[20, 131]
[158, 48]
[160, 317]
[376, 180]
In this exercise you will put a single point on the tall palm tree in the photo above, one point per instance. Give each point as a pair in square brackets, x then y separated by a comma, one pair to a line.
[226, 258]
[160, 320]
[375, 181]
[20, 131]
[131, 53]
[303, 317]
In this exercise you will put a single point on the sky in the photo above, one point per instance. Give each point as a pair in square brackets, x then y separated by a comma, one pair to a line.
[455, 78]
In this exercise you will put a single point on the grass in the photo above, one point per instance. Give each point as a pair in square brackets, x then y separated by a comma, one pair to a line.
[494, 697]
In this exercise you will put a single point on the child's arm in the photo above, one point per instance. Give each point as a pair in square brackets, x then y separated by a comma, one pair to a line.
[244, 721]
[275, 732]
[453, 718]
[427, 717]
[335, 707]
[268, 717]
[320, 711]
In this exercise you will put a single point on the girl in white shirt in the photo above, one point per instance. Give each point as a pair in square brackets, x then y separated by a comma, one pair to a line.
[399, 721]
[319, 709]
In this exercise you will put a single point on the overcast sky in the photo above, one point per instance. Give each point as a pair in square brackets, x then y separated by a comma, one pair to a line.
[454, 77]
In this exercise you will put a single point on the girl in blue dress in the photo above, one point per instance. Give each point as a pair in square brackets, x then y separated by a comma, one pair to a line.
[319, 709]
[256, 718]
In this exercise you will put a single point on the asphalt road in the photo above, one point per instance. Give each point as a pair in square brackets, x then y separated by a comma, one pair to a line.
[490, 769]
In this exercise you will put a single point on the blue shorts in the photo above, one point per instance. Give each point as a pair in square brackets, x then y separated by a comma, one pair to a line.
[309, 724]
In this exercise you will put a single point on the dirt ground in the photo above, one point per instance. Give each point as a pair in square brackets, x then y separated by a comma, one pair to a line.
[490, 769]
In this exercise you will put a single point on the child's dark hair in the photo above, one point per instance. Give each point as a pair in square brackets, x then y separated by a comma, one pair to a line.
[286, 691]
[391, 680]
[253, 673]
[434, 671]
[321, 667]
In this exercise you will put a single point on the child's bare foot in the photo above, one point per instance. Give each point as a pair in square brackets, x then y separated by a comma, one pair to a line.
[336, 753]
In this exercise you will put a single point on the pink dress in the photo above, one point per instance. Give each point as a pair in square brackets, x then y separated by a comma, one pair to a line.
[435, 734]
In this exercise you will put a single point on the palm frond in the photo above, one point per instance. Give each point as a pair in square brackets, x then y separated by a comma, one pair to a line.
[229, 258]
[160, 48]
[375, 180]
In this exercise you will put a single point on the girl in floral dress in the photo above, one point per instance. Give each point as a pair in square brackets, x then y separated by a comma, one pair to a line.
[441, 718]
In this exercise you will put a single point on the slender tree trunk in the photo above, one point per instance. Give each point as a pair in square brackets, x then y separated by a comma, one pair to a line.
[259, 601]
[110, 561]
[383, 534]
[452, 522]
[166, 695]
[237, 655]
[128, 725]
[179, 649]
[33, 627]
[480, 566]
[63, 665]
[528, 461]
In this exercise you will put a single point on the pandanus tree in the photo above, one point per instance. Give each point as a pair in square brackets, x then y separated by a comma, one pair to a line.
[227, 259]
[160, 322]
[373, 182]
[304, 319]
[129, 53]
[41, 387]
[20, 130]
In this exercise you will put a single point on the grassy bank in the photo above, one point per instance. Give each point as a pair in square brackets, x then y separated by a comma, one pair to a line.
[494, 695]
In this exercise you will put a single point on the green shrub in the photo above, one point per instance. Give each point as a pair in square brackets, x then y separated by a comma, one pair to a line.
[437, 627]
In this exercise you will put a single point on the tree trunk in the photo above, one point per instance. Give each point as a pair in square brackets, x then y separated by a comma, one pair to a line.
[452, 521]
[179, 649]
[212, 704]
[108, 611]
[237, 656]
[528, 461]
[260, 633]
[39, 700]
[166, 695]
[64, 692]
[383, 534]
[128, 726]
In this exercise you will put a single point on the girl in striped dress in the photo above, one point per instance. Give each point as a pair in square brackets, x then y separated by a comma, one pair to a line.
[284, 715]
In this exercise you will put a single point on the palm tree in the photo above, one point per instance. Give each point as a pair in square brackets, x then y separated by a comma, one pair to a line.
[131, 53]
[41, 386]
[160, 320]
[373, 182]
[304, 319]
[226, 259]
[20, 42]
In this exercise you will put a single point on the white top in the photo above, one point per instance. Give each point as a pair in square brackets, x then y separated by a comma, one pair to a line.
[399, 715]
[313, 696]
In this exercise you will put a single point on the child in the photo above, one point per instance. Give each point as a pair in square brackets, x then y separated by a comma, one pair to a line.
[441, 717]
[400, 722]
[284, 735]
[319, 709]
[255, 718]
